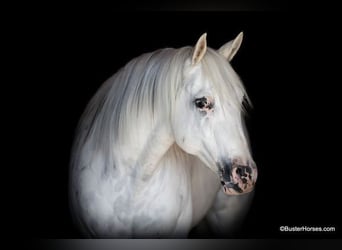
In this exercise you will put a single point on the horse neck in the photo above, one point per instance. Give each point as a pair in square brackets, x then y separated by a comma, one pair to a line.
[148, 143]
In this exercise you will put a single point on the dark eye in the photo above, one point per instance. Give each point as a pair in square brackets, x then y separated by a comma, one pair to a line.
[201, 102]
[204, 103]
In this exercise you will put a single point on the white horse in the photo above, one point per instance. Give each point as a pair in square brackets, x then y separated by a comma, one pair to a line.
[157, 141]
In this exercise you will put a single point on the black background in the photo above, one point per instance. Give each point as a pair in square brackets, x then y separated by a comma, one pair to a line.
[286, 62]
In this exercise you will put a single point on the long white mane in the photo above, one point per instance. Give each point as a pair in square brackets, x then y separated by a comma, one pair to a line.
[145, 87]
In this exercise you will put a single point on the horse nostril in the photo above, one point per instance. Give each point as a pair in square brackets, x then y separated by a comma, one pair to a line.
[239, 171]
[236, 178]
[244, 171]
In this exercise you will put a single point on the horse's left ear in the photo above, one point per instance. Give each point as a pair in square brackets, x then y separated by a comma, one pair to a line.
[200, 49]
[229, 49]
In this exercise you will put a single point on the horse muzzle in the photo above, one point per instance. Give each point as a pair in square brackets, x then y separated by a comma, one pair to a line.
[237, 179]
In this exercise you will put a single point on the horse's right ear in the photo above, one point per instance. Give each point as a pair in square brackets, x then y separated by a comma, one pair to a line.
[200, 49]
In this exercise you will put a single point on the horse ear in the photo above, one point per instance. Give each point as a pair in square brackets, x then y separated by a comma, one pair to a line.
[200, 49]
[229, 49]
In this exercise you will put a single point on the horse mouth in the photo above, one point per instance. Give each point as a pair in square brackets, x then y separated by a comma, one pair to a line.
[236, 179]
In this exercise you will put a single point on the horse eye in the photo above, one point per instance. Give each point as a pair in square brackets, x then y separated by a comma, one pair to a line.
[204, 103]
[201, 102]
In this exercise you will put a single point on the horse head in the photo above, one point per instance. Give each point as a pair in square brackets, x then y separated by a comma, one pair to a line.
[208, 116]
